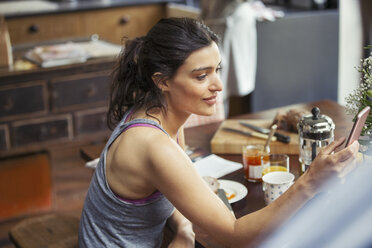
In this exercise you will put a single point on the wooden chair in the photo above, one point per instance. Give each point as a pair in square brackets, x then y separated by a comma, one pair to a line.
[47, 231]
[26, 186]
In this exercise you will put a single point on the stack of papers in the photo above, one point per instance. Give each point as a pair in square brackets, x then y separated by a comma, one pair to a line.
[56, 55]
[71, 52]
[216, 166]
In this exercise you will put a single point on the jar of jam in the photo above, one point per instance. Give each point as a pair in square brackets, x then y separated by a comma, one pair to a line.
[253, 158]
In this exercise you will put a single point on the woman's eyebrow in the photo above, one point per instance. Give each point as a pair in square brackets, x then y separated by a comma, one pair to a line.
[204, 68]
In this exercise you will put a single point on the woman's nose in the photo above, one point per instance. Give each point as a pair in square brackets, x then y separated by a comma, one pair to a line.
[216, 84]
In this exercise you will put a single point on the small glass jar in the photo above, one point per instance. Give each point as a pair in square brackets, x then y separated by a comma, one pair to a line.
[253, 159]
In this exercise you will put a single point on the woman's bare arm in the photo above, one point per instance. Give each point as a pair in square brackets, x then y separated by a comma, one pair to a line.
[172, 172]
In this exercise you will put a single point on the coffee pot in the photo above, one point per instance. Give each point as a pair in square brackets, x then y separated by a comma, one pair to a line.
[315, 131]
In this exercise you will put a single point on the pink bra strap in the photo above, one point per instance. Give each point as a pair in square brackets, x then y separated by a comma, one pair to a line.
[147, 199]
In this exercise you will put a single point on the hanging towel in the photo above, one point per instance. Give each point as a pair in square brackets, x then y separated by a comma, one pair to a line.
[239, 49]
[235, 23]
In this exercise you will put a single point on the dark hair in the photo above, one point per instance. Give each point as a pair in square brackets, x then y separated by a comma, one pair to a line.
[164, 49]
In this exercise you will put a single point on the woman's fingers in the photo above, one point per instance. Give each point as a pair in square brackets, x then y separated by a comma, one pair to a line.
[346, 159]
[331, 147]
[348, 152]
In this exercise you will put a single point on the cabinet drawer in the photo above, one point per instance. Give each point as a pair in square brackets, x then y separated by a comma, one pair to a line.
[23, 100]
[77, 92]
[114, 24]
[4, 138]
[42, 130]
[44, 28]
[91, 121]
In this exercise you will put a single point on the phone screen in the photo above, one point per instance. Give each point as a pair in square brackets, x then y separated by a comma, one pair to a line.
[358, 125]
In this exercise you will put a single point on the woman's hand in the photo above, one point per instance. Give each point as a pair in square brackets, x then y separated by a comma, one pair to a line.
[183, 240]
[184, 236]
[329, 163]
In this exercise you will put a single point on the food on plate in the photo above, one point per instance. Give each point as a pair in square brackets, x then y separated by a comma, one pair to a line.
[288, 120]
[213, 183]
[229, 196]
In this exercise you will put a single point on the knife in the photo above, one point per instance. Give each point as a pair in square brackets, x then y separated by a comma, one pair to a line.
[253, 134]
[280, 137]
[222, 195]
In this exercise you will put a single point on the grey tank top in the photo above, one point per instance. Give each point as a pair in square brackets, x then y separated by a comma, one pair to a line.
[110, 221]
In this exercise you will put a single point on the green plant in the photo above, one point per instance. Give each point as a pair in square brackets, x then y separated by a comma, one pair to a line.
[362, 96]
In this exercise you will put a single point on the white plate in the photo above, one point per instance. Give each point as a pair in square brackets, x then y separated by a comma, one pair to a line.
[232, 187]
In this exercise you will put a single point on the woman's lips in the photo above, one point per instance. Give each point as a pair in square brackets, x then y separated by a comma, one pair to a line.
[210, 100]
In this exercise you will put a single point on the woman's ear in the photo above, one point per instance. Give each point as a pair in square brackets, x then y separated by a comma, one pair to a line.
[160, 81]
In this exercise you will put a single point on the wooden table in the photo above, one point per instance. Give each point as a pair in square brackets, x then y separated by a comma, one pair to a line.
[201, 136]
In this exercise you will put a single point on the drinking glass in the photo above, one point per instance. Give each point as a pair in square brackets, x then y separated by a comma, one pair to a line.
[275, 162]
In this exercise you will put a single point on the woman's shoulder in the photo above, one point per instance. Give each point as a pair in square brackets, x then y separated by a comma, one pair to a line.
[144, 131]
[140, 143]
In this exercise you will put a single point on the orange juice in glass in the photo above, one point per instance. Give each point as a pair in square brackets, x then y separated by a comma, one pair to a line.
[253, 158]
[275, 162]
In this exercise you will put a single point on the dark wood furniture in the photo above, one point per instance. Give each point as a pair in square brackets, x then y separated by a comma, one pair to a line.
[45, 106]
[200, 137]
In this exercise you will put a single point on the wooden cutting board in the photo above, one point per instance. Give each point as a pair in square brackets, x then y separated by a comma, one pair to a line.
[226, 142]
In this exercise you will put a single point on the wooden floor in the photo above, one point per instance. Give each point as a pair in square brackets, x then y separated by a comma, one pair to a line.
[70, 183]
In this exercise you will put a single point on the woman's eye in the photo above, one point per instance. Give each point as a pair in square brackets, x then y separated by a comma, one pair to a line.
[218, 69]
[201, 77]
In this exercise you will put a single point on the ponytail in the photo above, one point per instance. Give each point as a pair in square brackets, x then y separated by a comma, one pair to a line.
[129, 86]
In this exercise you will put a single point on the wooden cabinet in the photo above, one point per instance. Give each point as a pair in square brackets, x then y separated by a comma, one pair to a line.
[69, 93]
[114, 24]
[4, 138]
[111, 24]
[90, 121]
[54, 108]
[45, 27]
[34, 131]
[25, 99]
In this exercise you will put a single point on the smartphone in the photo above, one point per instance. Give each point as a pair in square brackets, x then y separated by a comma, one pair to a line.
[358, 125]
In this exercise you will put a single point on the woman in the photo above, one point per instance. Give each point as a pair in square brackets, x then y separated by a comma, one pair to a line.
[145, 179]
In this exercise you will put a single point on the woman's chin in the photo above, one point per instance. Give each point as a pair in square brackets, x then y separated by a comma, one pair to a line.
[205, 111]
[208, 112]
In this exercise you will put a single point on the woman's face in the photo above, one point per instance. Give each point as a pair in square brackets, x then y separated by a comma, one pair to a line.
[194, 88]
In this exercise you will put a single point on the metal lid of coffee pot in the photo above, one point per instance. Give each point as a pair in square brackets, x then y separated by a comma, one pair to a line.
[316, 126]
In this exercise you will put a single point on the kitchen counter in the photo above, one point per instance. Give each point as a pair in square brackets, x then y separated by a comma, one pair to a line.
[11, 9]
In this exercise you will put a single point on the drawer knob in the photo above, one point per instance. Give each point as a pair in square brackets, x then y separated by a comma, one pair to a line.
[33, 28]
[9, 103]
[124, 20]
[91, 91]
